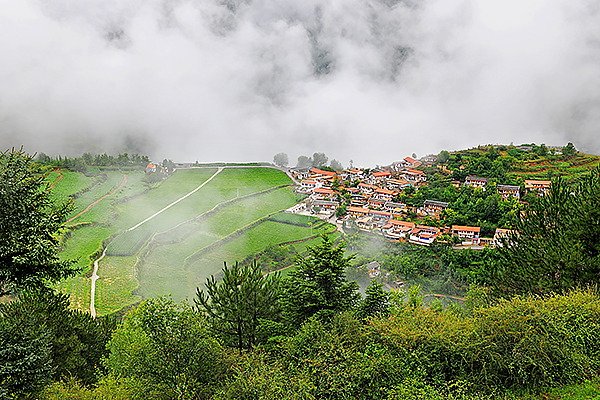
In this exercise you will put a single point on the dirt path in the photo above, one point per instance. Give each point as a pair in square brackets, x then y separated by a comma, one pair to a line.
[177, 201]
[93, 290]
[101, 198]
[58, 178]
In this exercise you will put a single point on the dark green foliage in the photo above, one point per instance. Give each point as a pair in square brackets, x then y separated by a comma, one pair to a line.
[29, 224]
[569, 150]
[376, 301]
[558, 241]
[63, 342]
[319, 284]
[25, 358]
[236, 305]
[169, 347]
[443, 157]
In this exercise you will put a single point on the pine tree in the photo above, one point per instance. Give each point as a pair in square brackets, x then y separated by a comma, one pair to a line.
[236, 305]
[556, 241]
[319, 283]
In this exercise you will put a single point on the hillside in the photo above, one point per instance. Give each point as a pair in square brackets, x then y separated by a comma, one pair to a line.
[168, 237]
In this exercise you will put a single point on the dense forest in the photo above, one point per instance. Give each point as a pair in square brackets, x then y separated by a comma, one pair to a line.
[529, 325]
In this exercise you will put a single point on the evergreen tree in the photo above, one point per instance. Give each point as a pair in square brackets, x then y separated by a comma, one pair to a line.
[376, 301]
[30, 220]
[318, 284]
[236, 305]
[556, 242]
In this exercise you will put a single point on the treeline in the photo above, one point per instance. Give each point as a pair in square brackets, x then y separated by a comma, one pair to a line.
[80, 164]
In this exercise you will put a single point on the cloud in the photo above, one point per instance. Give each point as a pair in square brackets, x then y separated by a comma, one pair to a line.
[366, 80]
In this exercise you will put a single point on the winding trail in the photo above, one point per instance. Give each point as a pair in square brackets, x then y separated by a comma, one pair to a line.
[177, 201]
[93, 290]
[58, 178]
[101, 198]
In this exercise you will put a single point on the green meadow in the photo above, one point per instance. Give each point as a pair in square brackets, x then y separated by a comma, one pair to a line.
[234, 216]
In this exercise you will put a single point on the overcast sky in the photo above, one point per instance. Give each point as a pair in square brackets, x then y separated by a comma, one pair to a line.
[232, 80]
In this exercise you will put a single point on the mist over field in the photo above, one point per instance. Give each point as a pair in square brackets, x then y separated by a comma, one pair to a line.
[234, 80]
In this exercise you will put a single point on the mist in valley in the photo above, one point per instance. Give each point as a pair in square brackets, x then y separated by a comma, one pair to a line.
[367, 80]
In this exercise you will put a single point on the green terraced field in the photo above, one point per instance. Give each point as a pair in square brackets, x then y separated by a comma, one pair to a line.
[241, 199]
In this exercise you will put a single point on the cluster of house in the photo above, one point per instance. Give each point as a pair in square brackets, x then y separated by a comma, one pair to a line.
[371, 202]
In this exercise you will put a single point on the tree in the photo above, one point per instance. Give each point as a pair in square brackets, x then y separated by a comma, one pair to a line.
[319, 285]
[376, 301]
[236, 305]
[280, 159]
[169, 346]
[30, 222]
[556, 242]
[75, 341]
[304, 162]
[169, 166]
[336, 165]
[443, 157]
[319, 160]
[569, 150]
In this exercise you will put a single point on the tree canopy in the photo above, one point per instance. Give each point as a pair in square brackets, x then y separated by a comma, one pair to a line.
[30, 221]
[236, 305]
[555, 244]
[319, 283]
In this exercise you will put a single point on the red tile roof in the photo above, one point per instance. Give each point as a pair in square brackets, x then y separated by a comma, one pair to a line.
[466, 228]
[321, 172]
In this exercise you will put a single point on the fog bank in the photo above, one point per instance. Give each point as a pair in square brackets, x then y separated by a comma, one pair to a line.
[231, 80]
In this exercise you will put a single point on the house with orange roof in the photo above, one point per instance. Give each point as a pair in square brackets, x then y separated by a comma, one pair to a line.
[396, 230]
[308, 185]
[413, 175]
[322, 193]
[384, 194]
[410, 162]
[542, 187]
[317, 172]
[424, 235]
[357, 211]
[468, 234]
[380, 177]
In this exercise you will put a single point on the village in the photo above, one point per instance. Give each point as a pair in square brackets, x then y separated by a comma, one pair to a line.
[368, 199]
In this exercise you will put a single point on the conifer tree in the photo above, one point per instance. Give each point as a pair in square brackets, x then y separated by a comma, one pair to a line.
[236, 305]
[319, 283]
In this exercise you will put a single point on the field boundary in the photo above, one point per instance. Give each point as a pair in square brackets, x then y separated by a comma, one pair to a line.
[206, 214]
[233, 235]
[237, 233]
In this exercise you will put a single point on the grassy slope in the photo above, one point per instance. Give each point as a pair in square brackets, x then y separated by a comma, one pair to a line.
[163, 273]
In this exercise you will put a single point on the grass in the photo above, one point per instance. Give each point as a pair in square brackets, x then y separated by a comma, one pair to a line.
[72, 182]
[127, 243]
[84, 242]
[114, 289]
[163, 271]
